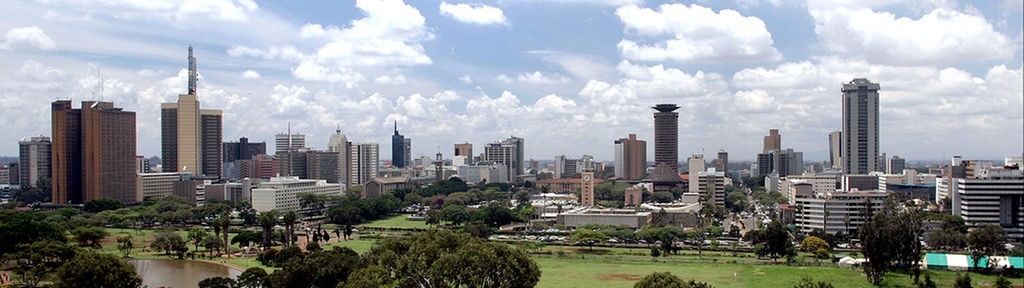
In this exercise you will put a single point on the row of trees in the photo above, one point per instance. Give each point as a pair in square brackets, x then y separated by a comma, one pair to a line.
[891, 240]
[40, 252]
[428, 259]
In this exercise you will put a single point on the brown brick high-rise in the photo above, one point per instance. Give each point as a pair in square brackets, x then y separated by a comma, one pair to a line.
[93, 153]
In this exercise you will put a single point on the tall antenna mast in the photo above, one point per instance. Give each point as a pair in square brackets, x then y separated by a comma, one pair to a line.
[193, 75]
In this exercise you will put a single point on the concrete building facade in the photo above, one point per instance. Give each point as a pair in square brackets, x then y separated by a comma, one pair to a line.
[191, 137]
[34, 157]
[281, 193]
[860, 126]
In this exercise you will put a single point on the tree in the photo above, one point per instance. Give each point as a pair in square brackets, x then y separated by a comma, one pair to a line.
[321, 269]
[660, 280]
[446, 259]
[211, 243]
[100, 205]
[891, 236]
[246, 238]
[986, 240]
[197, 236]
[776, 241]
[90, 269]
[289, 219]
[89, 236]
[369, 277]
[816, 246]
[221, 224]
[217, 282]
[169, 242]
[807, 282]
[125, 245]
[267, 221]
[1001, 282]
[456, 214]
[37, 261]
[24, 228]
[254, 277]
[589, 237]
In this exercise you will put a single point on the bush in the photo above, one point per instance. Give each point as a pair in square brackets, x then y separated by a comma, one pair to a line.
[267, 257]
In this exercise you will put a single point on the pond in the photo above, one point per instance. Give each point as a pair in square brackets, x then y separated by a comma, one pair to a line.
[179, 273]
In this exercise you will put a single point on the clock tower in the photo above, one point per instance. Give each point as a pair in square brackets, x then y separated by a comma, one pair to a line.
[587, 188]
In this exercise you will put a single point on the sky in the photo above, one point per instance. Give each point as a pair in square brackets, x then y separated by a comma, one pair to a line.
[568, 76]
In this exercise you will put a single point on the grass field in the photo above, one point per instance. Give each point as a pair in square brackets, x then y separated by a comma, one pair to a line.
[397, 221]
[574, 266]
[590, 272]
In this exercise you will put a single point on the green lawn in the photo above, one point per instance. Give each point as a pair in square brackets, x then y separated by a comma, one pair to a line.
[358, 245]
[591, 272]
[397, 221]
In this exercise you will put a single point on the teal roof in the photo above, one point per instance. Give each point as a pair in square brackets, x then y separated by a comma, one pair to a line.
[934, 259]
[1017, 262]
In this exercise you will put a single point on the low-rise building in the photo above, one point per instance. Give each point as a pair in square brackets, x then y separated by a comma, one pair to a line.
[993, 196]
[376, 187]
[564, 185]
[589, 215]
[837, 212]
[281, 193]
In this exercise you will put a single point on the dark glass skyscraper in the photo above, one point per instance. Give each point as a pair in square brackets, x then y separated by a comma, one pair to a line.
[666, 136]
[401, 149]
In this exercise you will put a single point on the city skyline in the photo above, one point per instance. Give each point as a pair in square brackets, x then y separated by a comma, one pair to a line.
[458, 73]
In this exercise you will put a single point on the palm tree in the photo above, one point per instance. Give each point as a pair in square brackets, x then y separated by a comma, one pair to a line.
[288, 219]
[267, 221]
[224, 221]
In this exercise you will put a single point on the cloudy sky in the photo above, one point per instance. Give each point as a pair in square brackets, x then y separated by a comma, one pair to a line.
[569, 76]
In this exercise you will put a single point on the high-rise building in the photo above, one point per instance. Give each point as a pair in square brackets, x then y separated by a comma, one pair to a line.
[630, 158]
[283, 142]
[339, 143]
[243, 149]
[835, 149]
[895, 165]
[782, 162]
[401, 149]
[287, 145]
[995, 195]
[696, 165]
[323, 165]
[191, 137]
[722, 162]
[93, 153]
[860, 126]
[508, 153]
[666, 136]
[142, 165]
[464, 149]
[34, 161]
[363, 163]
[772, 142]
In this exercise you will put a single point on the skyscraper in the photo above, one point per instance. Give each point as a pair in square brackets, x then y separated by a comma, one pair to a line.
[722, 162]
[835, 149]
[666, 136]
[363, 163]
[696, 165]
[860, 126]
[772, 142]
[401, 149]
[630, 158]
[283, 142]
[191, 137]
[508, 153]
[93, 153]
[34, 159]
[464, 149]
[339, 143]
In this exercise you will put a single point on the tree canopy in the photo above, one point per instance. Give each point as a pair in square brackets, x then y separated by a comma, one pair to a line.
[88, 269]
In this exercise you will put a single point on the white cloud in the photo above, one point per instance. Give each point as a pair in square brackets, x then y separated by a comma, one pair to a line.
[695, 33]
[389, 35]
[465, 79]
[477, 14]
[754, 101]
[180, 11]
[32, 36]
[943, 36]
[397, 79]
[535, 77]
[250, 75]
